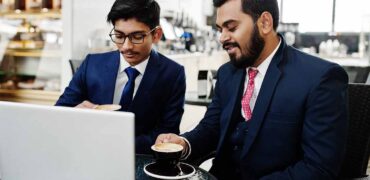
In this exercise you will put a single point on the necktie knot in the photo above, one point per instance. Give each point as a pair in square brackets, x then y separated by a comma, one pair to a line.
[252, 73]
[132, 73]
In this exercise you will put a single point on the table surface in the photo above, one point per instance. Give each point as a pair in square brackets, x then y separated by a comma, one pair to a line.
[142, 160]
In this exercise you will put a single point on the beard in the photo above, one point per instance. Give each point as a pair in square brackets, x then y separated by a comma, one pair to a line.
[254, 48]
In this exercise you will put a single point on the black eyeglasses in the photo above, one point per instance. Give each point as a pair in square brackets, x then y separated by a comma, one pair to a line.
[135, 38]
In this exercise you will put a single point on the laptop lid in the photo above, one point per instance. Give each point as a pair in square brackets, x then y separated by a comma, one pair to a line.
[60, 143]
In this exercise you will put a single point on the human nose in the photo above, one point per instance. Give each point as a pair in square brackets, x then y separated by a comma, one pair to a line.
[224, 36]
[127, 44]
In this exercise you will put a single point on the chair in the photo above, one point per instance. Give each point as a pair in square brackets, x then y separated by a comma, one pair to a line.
[75, 64]
[358, 141]
[357, 74]
[362, 75]
[368, 79]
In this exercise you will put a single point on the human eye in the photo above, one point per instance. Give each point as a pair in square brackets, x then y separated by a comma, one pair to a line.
[119, 36]
[137, 36]
[232, 28]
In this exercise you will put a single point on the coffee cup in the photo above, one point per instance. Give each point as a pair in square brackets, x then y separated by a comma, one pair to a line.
[167, 155]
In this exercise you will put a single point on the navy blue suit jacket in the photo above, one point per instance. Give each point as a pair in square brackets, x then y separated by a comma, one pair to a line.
[159, 101]
[298, 128]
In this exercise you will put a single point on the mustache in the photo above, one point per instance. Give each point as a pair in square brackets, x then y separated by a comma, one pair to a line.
[228, 44]
[129, 52]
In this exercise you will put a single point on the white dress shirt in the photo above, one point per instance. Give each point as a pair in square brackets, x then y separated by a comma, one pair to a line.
[262, 69]
[122, 78]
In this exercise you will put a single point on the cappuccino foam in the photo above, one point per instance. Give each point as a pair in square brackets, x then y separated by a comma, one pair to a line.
[167, 147]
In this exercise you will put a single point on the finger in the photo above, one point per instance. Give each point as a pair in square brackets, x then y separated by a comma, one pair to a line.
[160, 139]
[80, 106]
[172, 138]
[168, 138]
[88, 104]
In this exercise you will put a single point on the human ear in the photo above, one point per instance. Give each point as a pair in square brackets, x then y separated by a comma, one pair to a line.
[157, 35]
[266, 22]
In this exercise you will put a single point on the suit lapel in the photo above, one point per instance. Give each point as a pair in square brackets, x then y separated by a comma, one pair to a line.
[110, 75]
[237, 79]
[264, 97]
[150, 75]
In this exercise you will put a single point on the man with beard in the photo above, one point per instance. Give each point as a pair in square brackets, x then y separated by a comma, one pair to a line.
[137, 77]
[277, 113]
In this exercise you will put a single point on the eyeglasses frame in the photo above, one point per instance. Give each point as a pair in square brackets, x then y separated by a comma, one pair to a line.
[129, 36]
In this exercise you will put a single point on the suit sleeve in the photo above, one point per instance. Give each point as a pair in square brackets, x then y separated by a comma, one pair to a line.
[324, 130]
[76, 91]
[171, 118]
[205, 136]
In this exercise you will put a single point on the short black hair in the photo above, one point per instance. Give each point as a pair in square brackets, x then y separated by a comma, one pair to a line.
[256, 7]
[144, 11]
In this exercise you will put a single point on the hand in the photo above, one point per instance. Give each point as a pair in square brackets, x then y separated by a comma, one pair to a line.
[171, 138]
[86, 105]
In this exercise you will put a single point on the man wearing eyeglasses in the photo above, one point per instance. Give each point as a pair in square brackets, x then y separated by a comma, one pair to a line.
[136, 77]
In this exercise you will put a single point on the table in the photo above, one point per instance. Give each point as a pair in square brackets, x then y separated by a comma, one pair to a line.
[192, 98]
[142, 160]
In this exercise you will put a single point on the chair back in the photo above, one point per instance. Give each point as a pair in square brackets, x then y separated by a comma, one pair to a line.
[75, 64]
[358, 141]
[358, 74]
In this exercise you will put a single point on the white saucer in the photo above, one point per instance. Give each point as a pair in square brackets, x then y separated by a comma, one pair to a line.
[156, 171]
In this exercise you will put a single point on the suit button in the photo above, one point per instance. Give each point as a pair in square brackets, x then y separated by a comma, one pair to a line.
[246, 130]
[236, 148]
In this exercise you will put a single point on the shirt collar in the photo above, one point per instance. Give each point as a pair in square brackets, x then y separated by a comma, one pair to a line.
[140, 67]
[262, 68]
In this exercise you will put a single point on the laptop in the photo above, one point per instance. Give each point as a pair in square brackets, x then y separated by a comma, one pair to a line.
[60, 143]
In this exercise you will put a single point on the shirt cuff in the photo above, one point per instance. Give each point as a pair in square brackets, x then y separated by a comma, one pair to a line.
[186, 153]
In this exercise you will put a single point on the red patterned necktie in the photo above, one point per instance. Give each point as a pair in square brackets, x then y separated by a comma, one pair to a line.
[248, 94]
